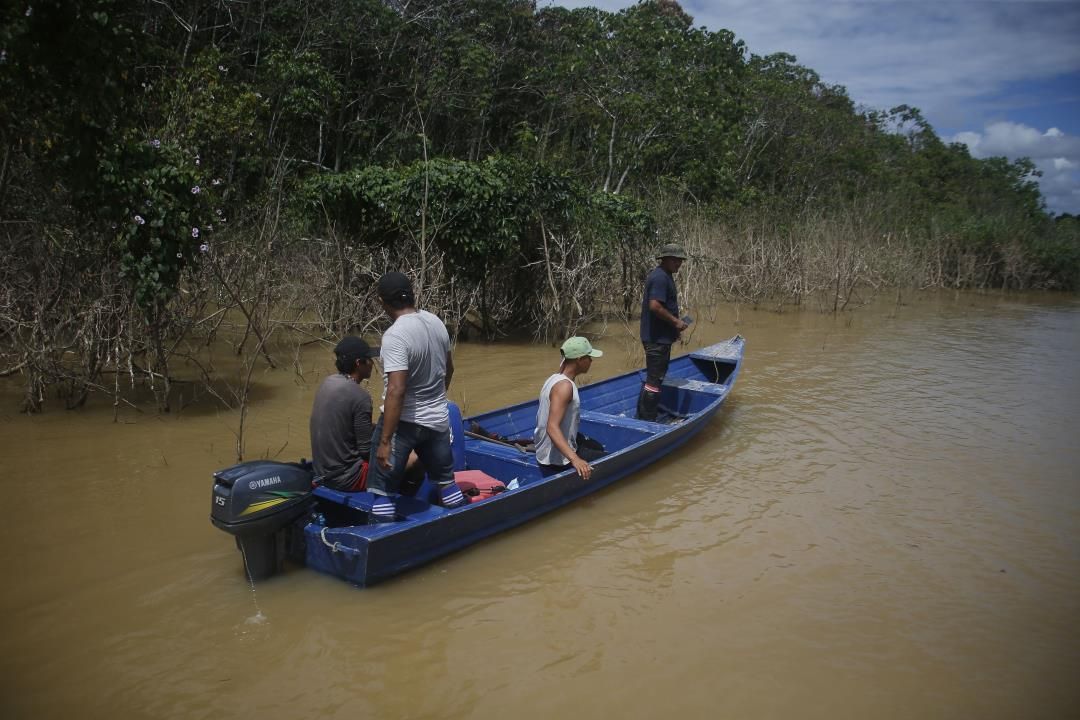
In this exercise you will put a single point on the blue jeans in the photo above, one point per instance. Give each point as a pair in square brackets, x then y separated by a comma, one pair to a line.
[431, 446]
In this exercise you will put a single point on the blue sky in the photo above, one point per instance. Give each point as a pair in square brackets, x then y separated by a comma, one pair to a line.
[1001, 76]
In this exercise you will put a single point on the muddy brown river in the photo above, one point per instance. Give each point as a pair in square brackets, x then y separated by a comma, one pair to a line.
[883, 522]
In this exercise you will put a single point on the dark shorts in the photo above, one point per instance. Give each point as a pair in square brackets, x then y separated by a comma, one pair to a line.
[355, 483]
[359, 483]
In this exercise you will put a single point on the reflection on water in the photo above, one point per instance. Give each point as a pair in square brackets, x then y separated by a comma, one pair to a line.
[883, 522]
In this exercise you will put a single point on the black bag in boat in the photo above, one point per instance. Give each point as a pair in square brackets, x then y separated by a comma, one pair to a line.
[588, 448]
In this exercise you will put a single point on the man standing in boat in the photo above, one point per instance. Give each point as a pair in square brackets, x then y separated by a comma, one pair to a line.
[341, 418]
[558, 416]
[660, 326]
[417, 368]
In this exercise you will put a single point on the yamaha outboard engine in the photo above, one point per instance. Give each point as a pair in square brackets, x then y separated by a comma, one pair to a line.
[265, 505]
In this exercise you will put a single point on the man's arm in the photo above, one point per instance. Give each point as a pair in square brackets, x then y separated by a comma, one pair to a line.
[395, 395]
[559, 400]
[657, 308]
[362, 425]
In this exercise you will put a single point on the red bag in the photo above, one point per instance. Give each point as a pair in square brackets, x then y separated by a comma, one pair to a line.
[476, 485]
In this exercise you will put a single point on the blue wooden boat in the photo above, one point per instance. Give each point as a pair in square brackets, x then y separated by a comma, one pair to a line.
[274, 514]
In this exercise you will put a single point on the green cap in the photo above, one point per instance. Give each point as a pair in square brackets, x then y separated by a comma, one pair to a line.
[577, 347]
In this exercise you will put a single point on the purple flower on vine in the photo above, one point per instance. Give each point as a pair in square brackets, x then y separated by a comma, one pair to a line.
[194, 232]
[139, 220]
[195, 190]
[204, 248]
[155, 143]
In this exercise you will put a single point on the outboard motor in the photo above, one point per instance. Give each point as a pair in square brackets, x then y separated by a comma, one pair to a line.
[264, 504]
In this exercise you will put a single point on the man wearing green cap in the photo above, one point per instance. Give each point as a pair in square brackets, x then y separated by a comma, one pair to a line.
[660, 326]
[556, 433]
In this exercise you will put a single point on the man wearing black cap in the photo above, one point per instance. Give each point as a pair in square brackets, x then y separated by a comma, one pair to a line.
[417, 368]
[660, 326]
[341, 418]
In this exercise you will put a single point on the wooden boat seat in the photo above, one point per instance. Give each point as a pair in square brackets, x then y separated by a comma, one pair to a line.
[726, 351]
[496, 450]
[362, 501]
[681, 397]
[620, 421]
[717, 362]
[695, 386]
[354, 500]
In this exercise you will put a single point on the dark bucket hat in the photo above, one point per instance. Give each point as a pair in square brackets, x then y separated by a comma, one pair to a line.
[673, 250]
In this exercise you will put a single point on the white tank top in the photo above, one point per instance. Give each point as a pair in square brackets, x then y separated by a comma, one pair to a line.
[546, 452]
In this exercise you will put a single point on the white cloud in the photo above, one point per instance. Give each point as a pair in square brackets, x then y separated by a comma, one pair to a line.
[971, 139]
[1014, 140]
[1018, 140]
[1061, 188]
[1055, 153]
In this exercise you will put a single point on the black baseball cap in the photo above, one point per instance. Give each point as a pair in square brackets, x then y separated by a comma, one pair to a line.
[352, 348]
[395, 286]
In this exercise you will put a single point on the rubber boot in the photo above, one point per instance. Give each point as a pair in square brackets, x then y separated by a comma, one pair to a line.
[648, 404]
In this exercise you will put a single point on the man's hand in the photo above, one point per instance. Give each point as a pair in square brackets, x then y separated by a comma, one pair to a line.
[382, 454]
[680, 325]
[583, 468]
[395, 394]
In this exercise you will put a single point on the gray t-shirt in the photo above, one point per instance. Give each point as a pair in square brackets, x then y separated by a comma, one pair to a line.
[341, 430]
[418, 342]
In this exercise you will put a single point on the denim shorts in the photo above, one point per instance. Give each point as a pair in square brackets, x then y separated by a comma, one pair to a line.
[431, 446]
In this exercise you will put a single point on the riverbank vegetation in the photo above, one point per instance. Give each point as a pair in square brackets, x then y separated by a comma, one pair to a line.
[178, 172]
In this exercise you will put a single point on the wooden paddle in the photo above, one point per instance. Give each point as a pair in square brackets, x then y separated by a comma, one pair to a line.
[478, 436]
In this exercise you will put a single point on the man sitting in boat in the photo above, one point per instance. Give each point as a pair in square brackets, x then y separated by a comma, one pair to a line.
[341, 418]
[556, 434]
